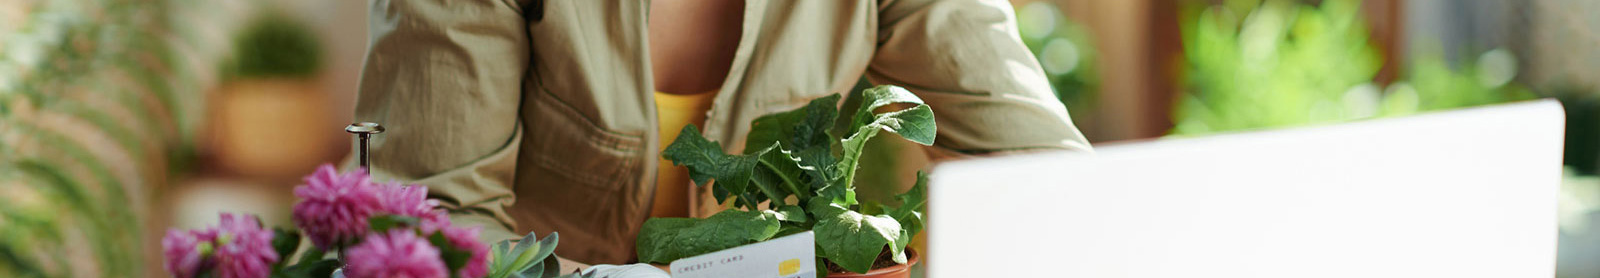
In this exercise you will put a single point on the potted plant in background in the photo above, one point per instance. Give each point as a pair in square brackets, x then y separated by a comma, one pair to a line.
[268, 116]
[795, 176]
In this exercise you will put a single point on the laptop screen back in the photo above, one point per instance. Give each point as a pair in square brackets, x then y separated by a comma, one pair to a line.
[1468, 193]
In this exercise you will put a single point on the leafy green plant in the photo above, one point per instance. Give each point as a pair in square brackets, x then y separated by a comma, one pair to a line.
[1432, 84]
[1267, 64]
[1279, 63]
[530, 257]
[276, 45]
[795, 176]
[66, 191]
[100, 100]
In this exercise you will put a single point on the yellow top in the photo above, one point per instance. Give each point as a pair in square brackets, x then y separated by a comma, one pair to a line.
[672, 181]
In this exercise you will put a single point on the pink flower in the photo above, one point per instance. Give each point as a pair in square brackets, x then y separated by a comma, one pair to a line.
[466, 239]
[237, 248]
[244, 249]
[409, 200]
[461, 238]
[185, 255]
[333, 208]
[395, 254]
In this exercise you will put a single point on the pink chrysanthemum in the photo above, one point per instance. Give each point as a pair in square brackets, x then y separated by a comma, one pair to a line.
[333, 208]
[466, 239]
[244, 249]
[409, 200]
[237, 248]
[461, 238]
[438, 219]
[184, 252]
[397, 253]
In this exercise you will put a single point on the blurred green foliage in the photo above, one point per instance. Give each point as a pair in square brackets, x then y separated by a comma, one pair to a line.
[1486, 79]
[276, 45]
[1066, 52]
[1270, 64]
[1274, 64]
[95, 103]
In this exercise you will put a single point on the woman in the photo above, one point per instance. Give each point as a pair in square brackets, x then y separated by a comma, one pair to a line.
[549, 115]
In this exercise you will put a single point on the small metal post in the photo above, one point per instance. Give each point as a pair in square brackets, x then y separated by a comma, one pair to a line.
[364, 132]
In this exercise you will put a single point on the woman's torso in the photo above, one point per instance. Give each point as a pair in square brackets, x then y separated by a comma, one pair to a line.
[587, 165]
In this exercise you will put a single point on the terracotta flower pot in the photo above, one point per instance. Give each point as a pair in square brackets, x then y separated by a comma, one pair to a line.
[895, 271]
[271, 127]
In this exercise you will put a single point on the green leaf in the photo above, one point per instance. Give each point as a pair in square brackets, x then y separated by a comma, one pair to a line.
[798, 129]
[803, 135]
[284, 241]
[528, 256]
[820, 167]
[706, 161]
[454, 258]
[853, 240]
[915, 123]
[822, 265]
[781, 175]
[548, 267]
[909, 213]
[525, 254]
[791, 213]
[309, 268]
[499, 259]
[310, 257]
[911, 126]
[789, 229]
[323, 268]
[545, 247]
[663, 240]
[391, 221]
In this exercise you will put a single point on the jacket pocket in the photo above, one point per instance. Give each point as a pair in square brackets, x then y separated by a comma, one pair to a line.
[580, 179]
[577, 150]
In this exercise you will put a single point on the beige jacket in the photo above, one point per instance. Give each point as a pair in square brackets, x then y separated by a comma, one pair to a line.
[538, 115]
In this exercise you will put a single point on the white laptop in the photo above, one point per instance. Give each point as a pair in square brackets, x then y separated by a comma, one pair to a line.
[1467, 193]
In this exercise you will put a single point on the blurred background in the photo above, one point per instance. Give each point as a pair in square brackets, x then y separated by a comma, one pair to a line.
[121, 118]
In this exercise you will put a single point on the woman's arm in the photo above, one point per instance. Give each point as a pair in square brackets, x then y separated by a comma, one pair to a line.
[445, 79]
[965, 59]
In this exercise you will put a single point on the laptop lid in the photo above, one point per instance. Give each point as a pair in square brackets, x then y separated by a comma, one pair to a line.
[1467, 193]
